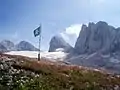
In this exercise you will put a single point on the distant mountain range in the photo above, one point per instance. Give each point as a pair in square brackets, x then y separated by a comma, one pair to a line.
[97, 46]
[7, 45]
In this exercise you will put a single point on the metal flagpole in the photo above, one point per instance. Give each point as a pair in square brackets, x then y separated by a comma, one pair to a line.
[39, 44]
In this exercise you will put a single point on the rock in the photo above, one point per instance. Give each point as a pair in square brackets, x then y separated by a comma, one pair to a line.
[82, 40]
[115, 46]
[25, 46]
[99, 37]
[8, 44]
[58, 43]
[98, 46]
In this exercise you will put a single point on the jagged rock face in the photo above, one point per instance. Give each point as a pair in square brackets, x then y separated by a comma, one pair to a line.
[97, 37]
[8, 44]
[58, 42]
[2, 48]
[25, 46]
[80, 45]
[98, 46]
[115, 46]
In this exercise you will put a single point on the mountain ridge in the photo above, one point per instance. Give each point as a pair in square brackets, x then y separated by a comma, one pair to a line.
[21, 46]
[94, 43]
[25, 46]
[98, 37]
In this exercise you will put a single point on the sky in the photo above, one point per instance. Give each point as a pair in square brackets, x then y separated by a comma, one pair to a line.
[18, 18]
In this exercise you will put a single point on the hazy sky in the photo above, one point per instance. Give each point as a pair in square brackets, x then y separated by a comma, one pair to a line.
[18, 18]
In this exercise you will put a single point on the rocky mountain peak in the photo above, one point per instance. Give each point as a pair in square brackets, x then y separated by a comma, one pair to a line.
[9, 45]
[102, 23]
[24, 45]
[58, 42]
[96, 37]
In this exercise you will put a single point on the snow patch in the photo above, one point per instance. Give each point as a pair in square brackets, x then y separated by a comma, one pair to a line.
[59, 50]
[91, 55]
[53, 56]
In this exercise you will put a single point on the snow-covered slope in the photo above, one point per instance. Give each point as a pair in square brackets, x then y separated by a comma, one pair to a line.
[53, 56]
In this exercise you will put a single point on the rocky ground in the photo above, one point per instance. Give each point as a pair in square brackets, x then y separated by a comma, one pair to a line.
[22, 73]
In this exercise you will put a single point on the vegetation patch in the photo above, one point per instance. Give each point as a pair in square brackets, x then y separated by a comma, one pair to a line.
[20, 73]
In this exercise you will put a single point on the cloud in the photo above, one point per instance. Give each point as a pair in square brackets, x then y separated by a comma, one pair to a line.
[71, 33]
[65, 36]
[73, 29]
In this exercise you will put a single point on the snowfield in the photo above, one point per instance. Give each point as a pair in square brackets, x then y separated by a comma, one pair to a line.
[54, 56]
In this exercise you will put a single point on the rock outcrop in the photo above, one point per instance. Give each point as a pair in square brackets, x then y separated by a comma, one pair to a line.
[25, 46]
[58, 43]
[99, 37]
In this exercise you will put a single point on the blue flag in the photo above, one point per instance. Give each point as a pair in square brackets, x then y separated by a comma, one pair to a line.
[37, 31]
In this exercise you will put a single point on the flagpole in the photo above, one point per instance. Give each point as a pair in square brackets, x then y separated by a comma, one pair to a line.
[39, 55]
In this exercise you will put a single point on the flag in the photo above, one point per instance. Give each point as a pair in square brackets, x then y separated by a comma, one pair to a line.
[37, 31]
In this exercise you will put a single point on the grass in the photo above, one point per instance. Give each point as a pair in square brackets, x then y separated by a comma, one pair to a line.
[52, 76]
